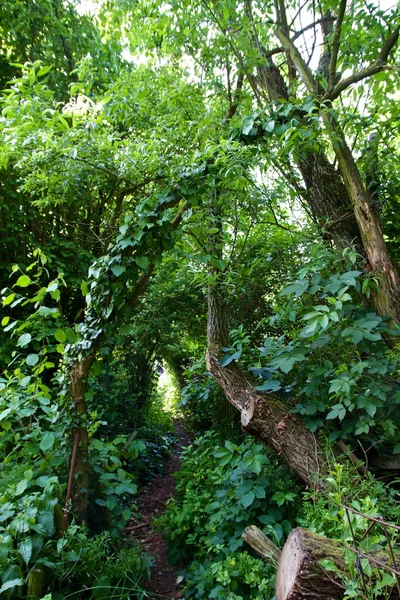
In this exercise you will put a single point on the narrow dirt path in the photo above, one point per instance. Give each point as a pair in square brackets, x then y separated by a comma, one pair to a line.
[151, 502]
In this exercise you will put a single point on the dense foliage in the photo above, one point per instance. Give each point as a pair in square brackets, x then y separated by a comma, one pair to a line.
[204, 194]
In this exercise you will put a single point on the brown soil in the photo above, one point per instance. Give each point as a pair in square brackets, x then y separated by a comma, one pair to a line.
[151, 502]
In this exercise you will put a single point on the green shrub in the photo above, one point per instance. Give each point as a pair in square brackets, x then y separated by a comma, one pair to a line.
[221, 490]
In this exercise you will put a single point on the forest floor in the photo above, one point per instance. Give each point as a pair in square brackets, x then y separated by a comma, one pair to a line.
[151, 502]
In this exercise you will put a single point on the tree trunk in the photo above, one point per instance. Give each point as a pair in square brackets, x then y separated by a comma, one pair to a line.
[300, 576]
[387, 298]
[78, 375]
[264, 416]
[326, 194]
[329, 201]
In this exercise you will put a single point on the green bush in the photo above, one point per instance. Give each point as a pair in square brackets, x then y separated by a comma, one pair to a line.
[221, 490]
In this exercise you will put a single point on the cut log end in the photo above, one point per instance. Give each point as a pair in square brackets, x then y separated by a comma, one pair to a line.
[300, 575]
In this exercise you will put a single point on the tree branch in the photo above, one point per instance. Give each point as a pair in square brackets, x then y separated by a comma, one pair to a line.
[301, 66]
[376, 67]
[336, 43]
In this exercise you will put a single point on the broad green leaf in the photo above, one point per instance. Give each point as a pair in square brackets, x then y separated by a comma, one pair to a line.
[24, 340]
[60, 335]
[32, 359]
[25, 549]
[142, 261]
[11, 584]
[23, 281]
[248, 499]
[8, 299]
[269, 386]
[47, 441]
[118, 270]
[21, 487]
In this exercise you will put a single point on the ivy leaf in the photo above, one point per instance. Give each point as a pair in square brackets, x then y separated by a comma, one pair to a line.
[142, 261]
[118, 270]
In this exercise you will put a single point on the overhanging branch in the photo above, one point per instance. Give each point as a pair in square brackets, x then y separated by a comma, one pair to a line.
[376, 67]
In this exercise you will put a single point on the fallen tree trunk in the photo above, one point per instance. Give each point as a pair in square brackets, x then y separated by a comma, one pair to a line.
[300, 575]
[269, 419]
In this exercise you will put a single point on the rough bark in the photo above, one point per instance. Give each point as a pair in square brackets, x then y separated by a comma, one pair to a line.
[326, 194]
[261, 544]
[264, 416]
[329, 201]
[300, 576]
[387, 298]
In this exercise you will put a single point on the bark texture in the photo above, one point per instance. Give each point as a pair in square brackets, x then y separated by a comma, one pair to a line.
[329, 201]
[269, 420]
[326, 195]
[261, 544]
[387, 298]
[264, 416]
[300, 576]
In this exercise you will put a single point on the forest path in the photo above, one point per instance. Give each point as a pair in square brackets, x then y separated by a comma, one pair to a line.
[151, 502]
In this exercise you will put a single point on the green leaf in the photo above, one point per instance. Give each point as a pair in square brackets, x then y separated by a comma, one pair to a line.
[297, 288]
[60, 336]
[229, 358]
[118, 270]
[84, 287]
[4, 321]
[47, 441]
[248, 499]
[23, 281]
[25, 549]
[142, 261]
[10, 584]
[8, 299]
[32, 360]
[126, 513]
[21, 487]
[24, 340]
[269, 386]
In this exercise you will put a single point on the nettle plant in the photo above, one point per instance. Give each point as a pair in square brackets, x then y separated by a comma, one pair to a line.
[334, 357]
